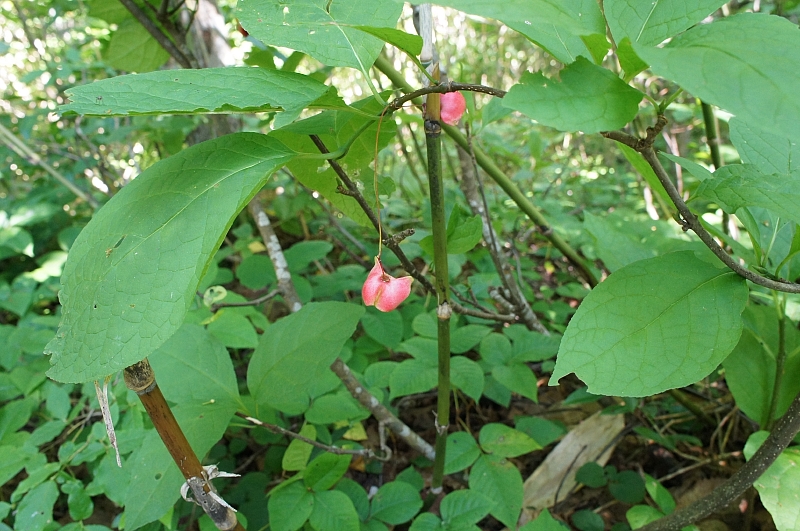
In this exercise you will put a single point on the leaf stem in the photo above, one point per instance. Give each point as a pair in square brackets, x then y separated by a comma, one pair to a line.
[780, 360]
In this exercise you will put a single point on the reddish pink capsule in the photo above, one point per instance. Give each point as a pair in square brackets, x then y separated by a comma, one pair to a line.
[383, 290]
[453, 106]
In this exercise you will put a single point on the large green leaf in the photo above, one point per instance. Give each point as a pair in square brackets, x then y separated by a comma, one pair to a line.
[555, 25]
[778, 485]
[750, 369]
[133, 49]
[132, 272]
[155, 479]
[499, 480]
[294, 351]
[651, 22]
[194, 367]
[321, 28]
[589, 98]
[654, 325]
[740, 185]
[210, 90]
[770, 152]
[747, 64]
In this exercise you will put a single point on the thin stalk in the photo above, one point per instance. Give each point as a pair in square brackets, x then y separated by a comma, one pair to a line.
[780, 361]
[433, 141]
[712, 138]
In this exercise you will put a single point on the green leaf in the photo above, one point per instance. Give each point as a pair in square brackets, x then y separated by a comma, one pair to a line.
[467, 376]
[426, 522]
[233, 329]
[464, 507]
[357, 495]
[760, 52]
[412, 376]
[336, 407]
[495, 349]
[298, 452]
[659, 494]
[631, 63]
[461, 452]
[587, 520]
[617, 244]
[627, 487]
[464, 338]
[395, 503]
[701, 173]
[750, 369]
[555, 25]
[589, 98]
[654, 325]
[321, 29]
[502, 441]
[79, 503]
[776, 485]
[384, 327]
[155, 480]
[35, 511]
[131, 275]
[256, 271]
[770, 152]
[463, 232]
[325, 470]
[651, 22]
[133, 49]
[519, 378]
[740, 185]
[541, 430]
[209, 90]
[302, 254]
[592, 475]
[500, 480]
[644, 169]
[296, 349]
[544, 522]
[641, 515]
[290, 507]
[411, 44]
[333, 511]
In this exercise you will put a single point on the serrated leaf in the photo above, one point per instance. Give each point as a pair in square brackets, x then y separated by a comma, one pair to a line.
[653, 325]
[760, 52]
[651, 22]
[500, 480]
[296, 349]
[588, 98]
[502, 441]
[321, 29]
[776, 485]
[770, 152]
[739, 185]
[194, 92]
[133, 271]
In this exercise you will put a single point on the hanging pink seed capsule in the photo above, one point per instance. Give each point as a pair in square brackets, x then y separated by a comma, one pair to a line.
[453, 106]
[383, 290]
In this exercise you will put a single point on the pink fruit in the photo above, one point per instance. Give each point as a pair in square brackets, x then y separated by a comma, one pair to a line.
[453, 106]
[383, 290]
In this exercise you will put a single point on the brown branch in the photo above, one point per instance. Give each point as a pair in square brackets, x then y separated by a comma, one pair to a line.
[688, 219]
[141, 379]
[722, 496]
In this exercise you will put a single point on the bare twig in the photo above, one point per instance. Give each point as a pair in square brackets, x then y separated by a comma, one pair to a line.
[255, 302]
[365, 452]
[162, 38]
[688, 219]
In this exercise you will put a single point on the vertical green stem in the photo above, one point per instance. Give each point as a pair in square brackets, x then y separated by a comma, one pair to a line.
[780, 359]
[433, 131]
[712, 138]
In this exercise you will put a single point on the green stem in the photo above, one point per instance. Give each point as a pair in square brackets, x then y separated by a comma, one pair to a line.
[433, 141]
[712, 139]
[780, 360]
[500, 178]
